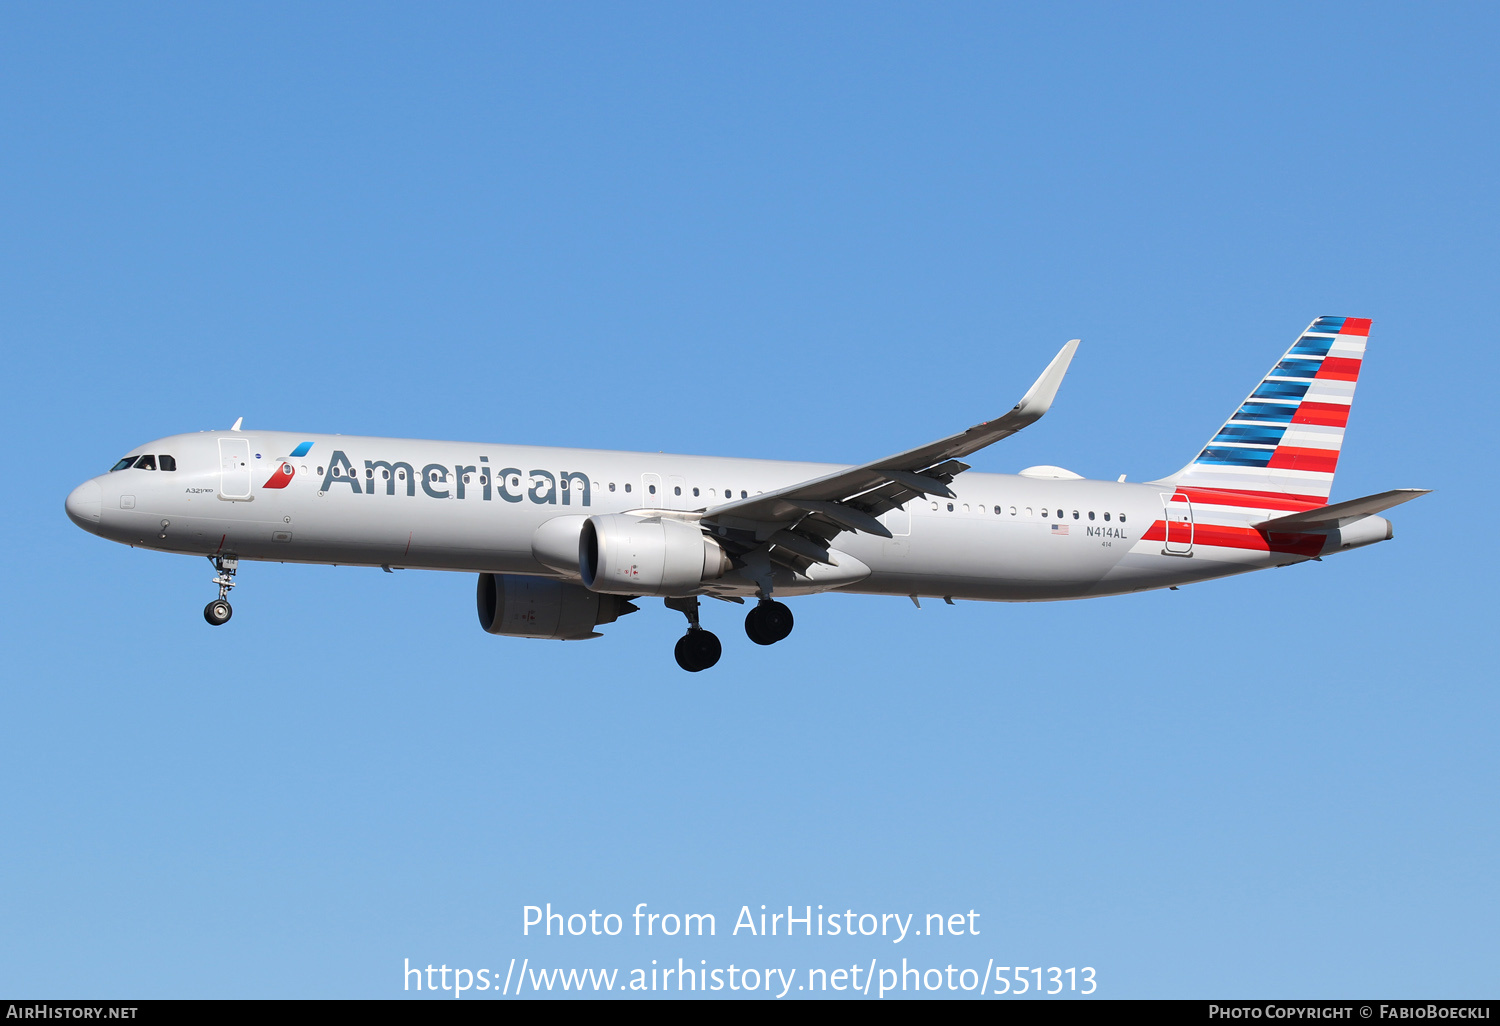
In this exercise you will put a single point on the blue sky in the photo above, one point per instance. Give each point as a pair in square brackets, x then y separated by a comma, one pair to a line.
[817, 232]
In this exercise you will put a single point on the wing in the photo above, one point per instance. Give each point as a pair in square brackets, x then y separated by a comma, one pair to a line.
[799, 521]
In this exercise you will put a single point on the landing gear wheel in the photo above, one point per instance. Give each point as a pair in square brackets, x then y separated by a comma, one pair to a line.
[218, 611]
[768, 623]
[698, 650]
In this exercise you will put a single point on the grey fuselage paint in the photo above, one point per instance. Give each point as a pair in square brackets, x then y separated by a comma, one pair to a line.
[358, 501]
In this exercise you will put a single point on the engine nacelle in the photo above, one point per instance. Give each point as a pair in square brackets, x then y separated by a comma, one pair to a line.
[628, 555]
[537, 607]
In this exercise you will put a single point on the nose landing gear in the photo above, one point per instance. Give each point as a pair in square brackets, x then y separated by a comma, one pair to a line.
[698, 649]
[219, 610]
[769, 622]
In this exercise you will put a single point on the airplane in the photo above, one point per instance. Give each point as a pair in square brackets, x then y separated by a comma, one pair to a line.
[567, 540]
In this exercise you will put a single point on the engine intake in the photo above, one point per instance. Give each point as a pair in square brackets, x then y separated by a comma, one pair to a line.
[536, 607]
[627, 555]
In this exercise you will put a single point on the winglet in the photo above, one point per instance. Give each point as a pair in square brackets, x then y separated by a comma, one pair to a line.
[237, 424]
[1038, 398]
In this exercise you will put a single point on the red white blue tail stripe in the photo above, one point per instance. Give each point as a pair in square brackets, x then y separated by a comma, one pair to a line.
[1280, 448]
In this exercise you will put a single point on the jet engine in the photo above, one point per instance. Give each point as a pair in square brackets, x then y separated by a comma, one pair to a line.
[536, 607]
[628, 555]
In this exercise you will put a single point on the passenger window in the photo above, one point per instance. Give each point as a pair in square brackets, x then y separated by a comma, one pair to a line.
[695, 493]
[1059, 514]
[677, 489]
[627, 486]
[168, 462]
[1091, 514]
[1044, 513]
[400, 474]
[1106, 516]
[651, 489]
[1028, 511]
[611, 486]
[385, 475]
[950, 507]
[1013, 511]
[1075, 514]
[1122, 518]
[966, 507]
[146, 463]
[934, 506]
[744, 494]
[564, 484]
[320, 471]
[997, 510]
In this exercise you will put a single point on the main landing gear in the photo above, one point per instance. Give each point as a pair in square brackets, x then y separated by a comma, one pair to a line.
[769, 622]
[698, 649]
[219, 610]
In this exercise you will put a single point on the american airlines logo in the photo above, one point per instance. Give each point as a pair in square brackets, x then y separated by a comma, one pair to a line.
[284, 472]
[440, 481]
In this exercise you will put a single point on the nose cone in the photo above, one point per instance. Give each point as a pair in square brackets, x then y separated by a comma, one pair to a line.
[85, 505]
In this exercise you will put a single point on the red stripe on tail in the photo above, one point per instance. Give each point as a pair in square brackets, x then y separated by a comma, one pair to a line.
[1246, 499]
[1322, 414]
[1339, 369]
[1289, 458]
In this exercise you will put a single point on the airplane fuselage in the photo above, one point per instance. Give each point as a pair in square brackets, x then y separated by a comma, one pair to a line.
[403, 503]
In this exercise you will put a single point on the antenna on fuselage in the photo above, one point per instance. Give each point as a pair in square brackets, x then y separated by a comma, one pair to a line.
[238, 421]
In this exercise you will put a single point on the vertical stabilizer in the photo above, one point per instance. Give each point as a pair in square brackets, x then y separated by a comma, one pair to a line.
[1281, 447]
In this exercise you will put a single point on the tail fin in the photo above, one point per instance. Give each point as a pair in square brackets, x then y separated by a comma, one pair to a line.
[1280, 448]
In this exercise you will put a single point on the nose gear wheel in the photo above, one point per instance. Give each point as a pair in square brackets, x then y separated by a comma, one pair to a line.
[219, 610]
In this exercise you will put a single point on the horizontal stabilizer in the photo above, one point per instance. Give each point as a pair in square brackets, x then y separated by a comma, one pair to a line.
[1341, 514]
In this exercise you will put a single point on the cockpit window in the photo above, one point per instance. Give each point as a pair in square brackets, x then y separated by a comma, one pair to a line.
[145, 463]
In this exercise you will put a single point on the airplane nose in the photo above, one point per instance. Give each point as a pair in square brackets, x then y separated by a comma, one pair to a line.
[85, 505]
